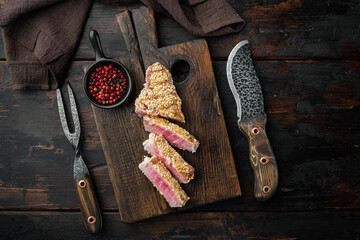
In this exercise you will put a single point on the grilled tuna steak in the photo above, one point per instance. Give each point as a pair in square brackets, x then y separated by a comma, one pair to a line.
[159, 97]
[164, 182]
[174, 134]
[158, 146]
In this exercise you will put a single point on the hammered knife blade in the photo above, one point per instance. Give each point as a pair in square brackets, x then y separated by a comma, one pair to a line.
[245, 86]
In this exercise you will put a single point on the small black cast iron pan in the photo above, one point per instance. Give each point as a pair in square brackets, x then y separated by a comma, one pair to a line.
[101, 60]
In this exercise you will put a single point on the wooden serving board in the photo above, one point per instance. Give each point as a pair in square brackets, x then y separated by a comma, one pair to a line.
[122, 132]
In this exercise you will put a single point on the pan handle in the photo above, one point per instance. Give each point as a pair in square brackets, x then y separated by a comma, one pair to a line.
[96, 43]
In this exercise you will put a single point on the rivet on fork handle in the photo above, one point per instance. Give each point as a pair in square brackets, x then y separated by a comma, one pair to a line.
[91, 220]
[266, 189]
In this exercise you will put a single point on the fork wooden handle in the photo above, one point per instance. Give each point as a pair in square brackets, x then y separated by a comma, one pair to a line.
[89, 205]
[262, 158]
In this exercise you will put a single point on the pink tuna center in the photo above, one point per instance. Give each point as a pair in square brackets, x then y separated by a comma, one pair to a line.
[163, 187]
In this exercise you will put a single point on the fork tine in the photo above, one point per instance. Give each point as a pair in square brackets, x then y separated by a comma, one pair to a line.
[74, 112]
[62, 115]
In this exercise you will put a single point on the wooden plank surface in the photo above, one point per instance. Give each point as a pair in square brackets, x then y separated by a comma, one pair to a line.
[276, 29]
[121, 139]
[213, 160]
[122, 133]
[202, 225]
[313, 109]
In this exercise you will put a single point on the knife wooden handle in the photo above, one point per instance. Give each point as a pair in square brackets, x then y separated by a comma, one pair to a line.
[262, 158]
[89, 205]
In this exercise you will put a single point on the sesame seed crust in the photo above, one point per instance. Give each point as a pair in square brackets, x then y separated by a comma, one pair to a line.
[159, 96]
[172, 157]
[172, 127]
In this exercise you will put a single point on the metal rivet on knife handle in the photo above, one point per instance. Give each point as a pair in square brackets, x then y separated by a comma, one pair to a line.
[266, 189]
[264, 160]
[91, 219]
[255, 131]
[82, 184]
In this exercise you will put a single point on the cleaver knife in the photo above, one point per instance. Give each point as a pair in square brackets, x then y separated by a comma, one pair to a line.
[245, 86]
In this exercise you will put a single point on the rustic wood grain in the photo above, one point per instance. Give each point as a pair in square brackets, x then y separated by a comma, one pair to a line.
[275, 29]
[122, 127]
[213, 161]
[313, 111]
[121, 138]
[295, 29]
[202, 225]
[292, 29]
[261, 157]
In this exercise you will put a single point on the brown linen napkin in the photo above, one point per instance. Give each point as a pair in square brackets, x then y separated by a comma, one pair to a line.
[207, 18]
[40, 37]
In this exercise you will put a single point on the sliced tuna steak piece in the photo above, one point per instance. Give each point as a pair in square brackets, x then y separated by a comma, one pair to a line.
[158, 146]
[174, 134]
[164, 182]
[159, 97]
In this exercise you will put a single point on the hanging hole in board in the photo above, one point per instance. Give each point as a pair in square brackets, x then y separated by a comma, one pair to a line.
[180, 70]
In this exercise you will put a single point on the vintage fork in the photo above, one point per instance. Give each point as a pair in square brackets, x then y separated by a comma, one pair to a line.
[89, 205]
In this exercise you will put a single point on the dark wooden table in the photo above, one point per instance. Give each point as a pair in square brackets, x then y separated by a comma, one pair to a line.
[307, 54]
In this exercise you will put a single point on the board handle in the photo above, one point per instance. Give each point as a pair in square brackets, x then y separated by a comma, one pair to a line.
[144, 21]
[89, 205]
[262, 158]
